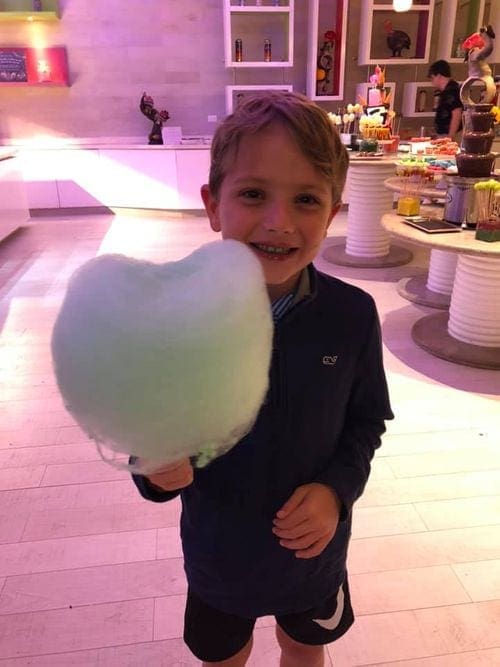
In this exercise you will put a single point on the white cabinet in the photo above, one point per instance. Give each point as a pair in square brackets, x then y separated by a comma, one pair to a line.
[192, 173]
[395, 38]
[147, 177]
[254, 24]
[326, 47]
[139, 178]
[13, 202]
[79, 179]
[458, 20]
[40, 172]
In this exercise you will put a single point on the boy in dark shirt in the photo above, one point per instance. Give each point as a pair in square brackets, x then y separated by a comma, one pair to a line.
[265, 528]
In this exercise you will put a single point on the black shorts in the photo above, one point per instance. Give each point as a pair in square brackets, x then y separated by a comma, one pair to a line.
[213, 635]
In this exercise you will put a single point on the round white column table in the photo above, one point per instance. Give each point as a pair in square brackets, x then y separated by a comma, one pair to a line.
[367, 243]
[433, 289]
[470, 333]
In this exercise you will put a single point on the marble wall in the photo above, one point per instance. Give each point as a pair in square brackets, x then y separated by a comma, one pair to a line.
[172, 49]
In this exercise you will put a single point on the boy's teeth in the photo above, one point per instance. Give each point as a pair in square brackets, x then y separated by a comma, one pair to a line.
[270, 248]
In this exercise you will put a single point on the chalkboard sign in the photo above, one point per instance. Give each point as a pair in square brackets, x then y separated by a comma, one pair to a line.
[13, 66]
[25, 66]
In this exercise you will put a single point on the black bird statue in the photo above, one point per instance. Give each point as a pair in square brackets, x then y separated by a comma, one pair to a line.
[397, 40]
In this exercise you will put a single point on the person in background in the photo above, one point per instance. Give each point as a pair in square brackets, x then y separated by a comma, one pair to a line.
[265, 528]
[448, 118]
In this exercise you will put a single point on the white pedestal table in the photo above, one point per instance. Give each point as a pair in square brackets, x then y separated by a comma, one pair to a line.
[368, 245]
[470, 333]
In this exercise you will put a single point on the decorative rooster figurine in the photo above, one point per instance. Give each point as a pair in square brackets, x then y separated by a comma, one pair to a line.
[397, 40]
[478, 47]
[158, 118]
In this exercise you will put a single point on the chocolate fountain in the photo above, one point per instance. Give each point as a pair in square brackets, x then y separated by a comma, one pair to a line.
[476, 161]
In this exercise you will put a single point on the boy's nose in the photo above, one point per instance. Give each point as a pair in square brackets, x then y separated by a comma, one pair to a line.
[278, 218]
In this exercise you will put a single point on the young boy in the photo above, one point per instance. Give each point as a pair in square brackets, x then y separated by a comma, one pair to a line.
[265, 528]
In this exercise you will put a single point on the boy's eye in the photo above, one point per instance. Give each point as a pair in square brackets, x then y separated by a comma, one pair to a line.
[307, 199]
[251, 194]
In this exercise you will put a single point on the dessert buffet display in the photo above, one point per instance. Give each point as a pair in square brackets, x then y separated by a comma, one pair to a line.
[463, 176]
[369, 126]
[377, 121]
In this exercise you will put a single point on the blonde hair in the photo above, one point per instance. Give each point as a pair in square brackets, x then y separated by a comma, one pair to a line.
[307, 123]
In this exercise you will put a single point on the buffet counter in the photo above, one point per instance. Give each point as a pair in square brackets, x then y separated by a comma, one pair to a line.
[111, 175]
[13, 201]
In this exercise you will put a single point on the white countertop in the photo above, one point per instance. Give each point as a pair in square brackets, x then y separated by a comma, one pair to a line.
[114, 147]
[104, 143]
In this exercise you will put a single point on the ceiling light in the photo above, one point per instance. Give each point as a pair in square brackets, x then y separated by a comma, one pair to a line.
[401, 5]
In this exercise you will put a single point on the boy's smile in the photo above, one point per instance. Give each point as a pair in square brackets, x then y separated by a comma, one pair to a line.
[273, 199]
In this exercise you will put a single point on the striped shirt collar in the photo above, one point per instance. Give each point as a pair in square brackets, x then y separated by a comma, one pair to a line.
[284, 303]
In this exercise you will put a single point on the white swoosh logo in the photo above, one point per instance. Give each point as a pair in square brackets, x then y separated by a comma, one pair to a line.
[331, 623]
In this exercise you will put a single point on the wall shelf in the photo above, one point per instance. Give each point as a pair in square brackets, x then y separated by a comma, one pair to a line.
[22, 10]
[253, 24]
[458, 20]
[31, 17]
[326, 15]
[259, 9]
[410, 94]
[411, 91]
[232, 93]
[416, 23]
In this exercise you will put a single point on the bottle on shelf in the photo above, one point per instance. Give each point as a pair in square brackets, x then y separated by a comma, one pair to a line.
[422, 100]
[37, 5]
[267, 50]
[459, 50]
[238, 50]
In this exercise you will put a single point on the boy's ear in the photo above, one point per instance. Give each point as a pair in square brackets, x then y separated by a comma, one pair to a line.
[333, 213]
[211, 207]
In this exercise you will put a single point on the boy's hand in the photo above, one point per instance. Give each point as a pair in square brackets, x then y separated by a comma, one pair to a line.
[173, 476]
[308, 520]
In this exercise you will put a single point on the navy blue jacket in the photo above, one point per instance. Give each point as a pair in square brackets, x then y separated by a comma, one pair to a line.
[321, 422]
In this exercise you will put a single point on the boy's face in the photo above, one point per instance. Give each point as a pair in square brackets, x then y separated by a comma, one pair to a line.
[273, 199]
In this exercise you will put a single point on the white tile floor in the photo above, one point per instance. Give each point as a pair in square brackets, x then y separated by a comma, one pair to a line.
[90, 574]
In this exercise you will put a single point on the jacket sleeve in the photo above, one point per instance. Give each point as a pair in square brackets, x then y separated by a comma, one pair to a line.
[367, 409]
[150, 491]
